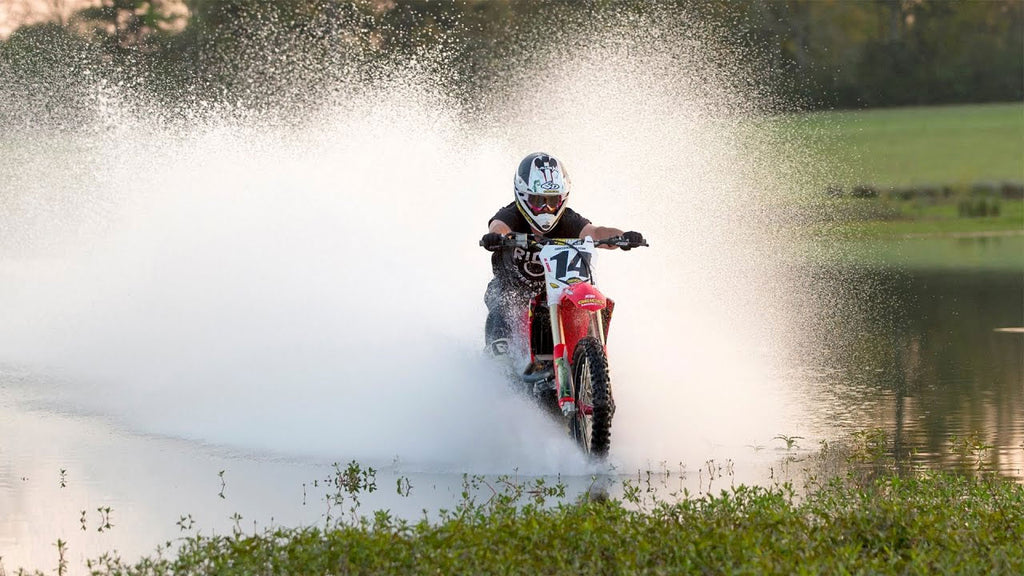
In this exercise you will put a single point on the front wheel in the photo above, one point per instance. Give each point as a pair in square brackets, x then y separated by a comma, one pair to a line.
[591, 426]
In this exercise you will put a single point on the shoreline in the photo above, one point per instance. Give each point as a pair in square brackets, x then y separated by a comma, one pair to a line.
[954, 235]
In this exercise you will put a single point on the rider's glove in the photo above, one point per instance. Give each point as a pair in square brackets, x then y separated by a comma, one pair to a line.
[633, 238]
[492, 241]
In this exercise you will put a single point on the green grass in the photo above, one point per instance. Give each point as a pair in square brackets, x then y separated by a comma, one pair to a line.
[917, 235]
[892, 524]
[918, 152]
[888, 219]
[943, 253]
[906, 146]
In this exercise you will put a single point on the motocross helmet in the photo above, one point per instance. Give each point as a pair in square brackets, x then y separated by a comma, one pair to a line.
[542, 187]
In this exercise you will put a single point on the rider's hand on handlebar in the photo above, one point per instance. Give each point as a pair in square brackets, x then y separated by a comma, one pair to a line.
[633, 238]
[492, 241]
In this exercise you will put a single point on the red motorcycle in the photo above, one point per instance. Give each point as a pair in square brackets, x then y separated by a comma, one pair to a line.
[566, 327]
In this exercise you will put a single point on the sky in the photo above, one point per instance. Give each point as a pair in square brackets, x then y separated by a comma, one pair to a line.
[15, 13]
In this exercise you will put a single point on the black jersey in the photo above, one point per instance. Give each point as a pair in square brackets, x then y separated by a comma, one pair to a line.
[526, 268]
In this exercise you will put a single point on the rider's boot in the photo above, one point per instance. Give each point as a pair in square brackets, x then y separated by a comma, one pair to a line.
[500, 350]
[498, 347]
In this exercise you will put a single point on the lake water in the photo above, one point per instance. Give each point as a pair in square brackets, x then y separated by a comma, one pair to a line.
[938, 360]
[932, 360]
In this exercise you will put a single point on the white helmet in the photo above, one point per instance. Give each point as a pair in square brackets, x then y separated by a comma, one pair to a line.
[542, 187]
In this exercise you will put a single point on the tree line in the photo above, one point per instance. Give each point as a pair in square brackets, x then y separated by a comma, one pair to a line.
[818, 53]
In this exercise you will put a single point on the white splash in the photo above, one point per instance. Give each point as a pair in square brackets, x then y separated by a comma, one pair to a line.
[314, 287]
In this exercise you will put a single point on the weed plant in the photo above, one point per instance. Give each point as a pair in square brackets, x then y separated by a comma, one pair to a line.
[861, 515]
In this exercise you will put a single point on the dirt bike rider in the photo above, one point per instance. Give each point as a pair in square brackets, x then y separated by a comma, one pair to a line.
[542, 189]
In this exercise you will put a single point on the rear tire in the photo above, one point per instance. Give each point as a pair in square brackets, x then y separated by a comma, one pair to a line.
[592, 424]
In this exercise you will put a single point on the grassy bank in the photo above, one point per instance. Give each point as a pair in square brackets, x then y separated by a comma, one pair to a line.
[948, 171]
[892, 524]
[916, 218]
[955, 145]
[881, 218]
[990, 252]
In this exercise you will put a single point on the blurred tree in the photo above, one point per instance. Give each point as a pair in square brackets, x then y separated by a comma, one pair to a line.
[827, 53]
[816, 53]
[133, 24]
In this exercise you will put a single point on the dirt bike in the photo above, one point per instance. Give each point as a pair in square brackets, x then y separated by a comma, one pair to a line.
[566, 327]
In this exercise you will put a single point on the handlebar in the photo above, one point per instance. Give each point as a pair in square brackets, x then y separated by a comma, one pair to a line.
[525, 240]
[621, 242]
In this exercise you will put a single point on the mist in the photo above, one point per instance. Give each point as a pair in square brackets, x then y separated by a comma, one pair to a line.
[309, 283]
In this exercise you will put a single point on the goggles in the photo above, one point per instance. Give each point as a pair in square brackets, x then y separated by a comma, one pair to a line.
[544, 203]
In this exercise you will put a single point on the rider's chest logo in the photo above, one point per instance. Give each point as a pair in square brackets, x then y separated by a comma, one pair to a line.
[528, 262]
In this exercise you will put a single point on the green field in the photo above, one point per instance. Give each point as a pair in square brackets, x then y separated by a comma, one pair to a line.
[953, 145]
[923, 164]
[885, 218]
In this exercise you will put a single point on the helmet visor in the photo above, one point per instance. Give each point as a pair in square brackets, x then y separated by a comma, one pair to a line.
[544, 203]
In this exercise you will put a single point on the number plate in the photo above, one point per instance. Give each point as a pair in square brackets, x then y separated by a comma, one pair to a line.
[565, 264]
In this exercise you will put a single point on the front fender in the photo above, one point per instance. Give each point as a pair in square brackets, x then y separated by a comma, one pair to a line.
[578, 308]
[585, 296]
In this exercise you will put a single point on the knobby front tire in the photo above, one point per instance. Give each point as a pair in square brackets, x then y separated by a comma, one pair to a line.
[592, 428]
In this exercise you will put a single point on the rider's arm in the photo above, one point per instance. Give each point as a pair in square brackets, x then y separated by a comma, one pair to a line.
[499, 227]
[599, 233]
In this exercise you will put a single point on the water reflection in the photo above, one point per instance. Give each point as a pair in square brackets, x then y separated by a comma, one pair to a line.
[932, 364]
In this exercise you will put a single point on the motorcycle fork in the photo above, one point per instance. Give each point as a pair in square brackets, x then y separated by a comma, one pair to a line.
[597, 326]
[563, 377]
[566, 390]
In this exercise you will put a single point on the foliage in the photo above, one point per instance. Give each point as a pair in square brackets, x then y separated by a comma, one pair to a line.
[978, 207]
[123, 24]
[889, 218]
[885, 524]
[816, 53]
[891, 52]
